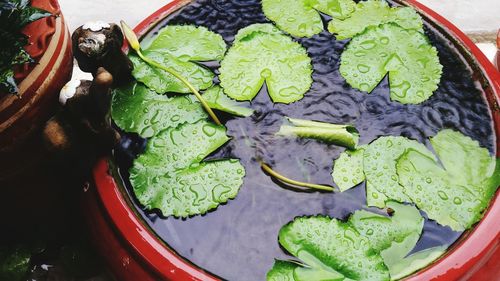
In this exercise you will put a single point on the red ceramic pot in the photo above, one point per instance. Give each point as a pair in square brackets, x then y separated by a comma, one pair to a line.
[22, 174]
[134, 252]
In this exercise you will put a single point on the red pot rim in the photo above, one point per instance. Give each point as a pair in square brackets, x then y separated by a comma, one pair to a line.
[466, 257]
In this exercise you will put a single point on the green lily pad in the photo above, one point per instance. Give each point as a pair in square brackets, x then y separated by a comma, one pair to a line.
[406, 55]
[344, 135]
[170, 176]
[331, 248]
[348, 169]
[163, 82]
[261, 54]
[383, 231]
[373, 13]
[282, 271]
[179, 48]
[301, 18]
[457, 195]
[379, 164]
[216, 99]
[415, 262]
[189, 43]
[137, 109]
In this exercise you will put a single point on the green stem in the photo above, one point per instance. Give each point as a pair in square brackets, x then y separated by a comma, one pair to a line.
[284, 179]
[183, 80]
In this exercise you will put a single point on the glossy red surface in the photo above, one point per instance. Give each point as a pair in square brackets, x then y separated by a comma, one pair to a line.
[135, 253]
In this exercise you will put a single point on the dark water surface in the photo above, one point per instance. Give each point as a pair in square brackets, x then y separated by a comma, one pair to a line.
[238, 241]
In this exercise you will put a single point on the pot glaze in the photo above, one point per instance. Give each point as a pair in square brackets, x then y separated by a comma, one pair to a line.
[134, 252]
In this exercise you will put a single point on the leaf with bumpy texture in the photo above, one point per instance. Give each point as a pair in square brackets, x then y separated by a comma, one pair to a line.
[379, 164]
[135, 108]
[260, 53]
[373, 13]
[170, 177]
[189, 43]
[179, 47]
[301, 18]
[331, 248]
[162, 81]
[216, 99]
[348, 169]
[411, 61]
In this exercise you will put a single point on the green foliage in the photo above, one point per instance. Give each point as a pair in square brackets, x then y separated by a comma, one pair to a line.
[216, 99]
[301, 18]
[14, 262]
[373, 13]
[348, 169]
[170, 176]
[457, 195]
[406, 55]
[138, 109]
[180, 48]
[344, 135]
[261, 53]
[14, 16]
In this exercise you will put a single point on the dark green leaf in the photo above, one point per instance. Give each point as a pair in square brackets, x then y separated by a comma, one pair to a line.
[138, 109]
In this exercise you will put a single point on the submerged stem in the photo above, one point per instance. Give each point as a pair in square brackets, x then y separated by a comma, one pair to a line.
[134, 43]
[284, 179]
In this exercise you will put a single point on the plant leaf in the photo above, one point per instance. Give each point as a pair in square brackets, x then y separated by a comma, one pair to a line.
[216, 99]
[415, 262]
[373, 13]
[281, 271]
[328, 245]
[344, 135]
[263, 55]
[170, 177]
[138, 109]
[189, 43]
[434, 192]
[179, 47]
[382, 230]
[191, 191]
[411, 61]
[348, 169]
[379, 165]
[162, 81]
[14, 262]
[301, 18]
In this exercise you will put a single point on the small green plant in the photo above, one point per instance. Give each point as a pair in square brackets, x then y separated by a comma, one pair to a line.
[14, 16]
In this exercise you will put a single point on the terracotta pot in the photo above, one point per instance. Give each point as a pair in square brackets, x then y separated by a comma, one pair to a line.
[26, 186]
[134, 252]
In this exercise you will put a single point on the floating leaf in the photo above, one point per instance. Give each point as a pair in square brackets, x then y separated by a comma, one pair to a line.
[216, 99]
[457, 195]
[344, 135]
[383, 231]
[379, 164]
[348, 169]
[179, 47]
[301, 18]
[330, 248]
[162, 81]
[138, 109]
[411, 61]
[261, 54]
[282, 271]
[415, 262]
[170, 177]
[189, 43]
[191, 191]
[373, 13]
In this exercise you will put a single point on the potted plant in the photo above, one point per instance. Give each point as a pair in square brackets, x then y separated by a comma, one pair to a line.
[36, 62]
